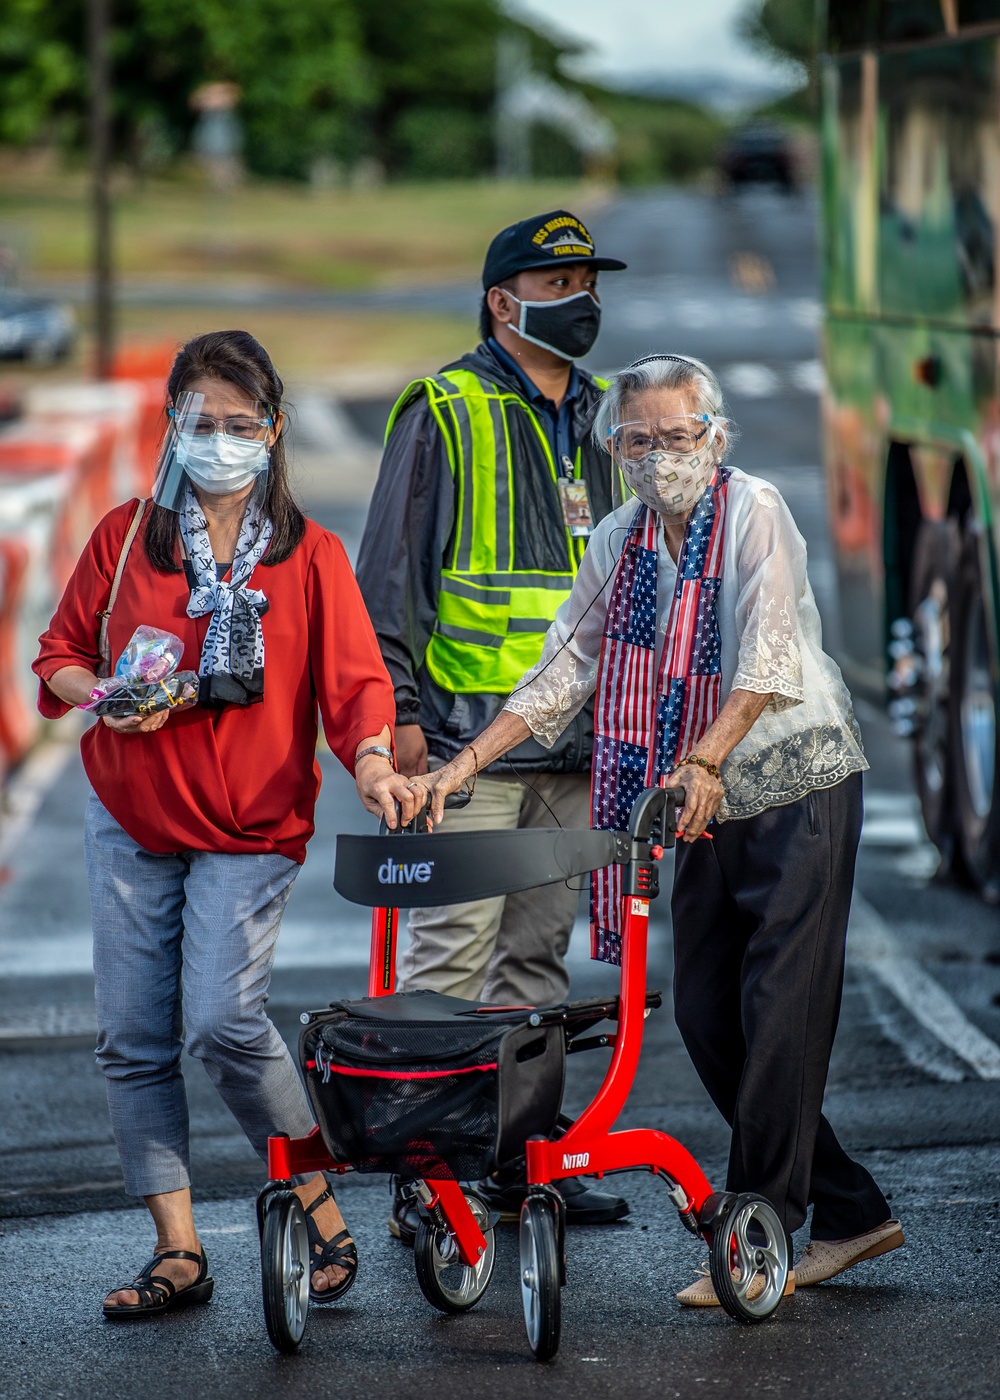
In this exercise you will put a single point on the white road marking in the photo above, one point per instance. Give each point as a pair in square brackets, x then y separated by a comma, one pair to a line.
[653, 305]
[918, 1046]
[329, 943]
[806, 311]
[809, 376]
[750, 381]
[319, 422]
[26, 791]
[873, 946]
[48, 1022]
[745, 378]
[892, 819]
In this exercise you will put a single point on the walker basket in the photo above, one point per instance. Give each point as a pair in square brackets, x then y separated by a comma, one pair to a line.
[427, 1086]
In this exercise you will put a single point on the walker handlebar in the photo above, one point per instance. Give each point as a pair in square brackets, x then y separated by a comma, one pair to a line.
[654, 817]
[455, 868]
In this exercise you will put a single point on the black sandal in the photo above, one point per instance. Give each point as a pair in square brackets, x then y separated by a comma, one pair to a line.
[339, 1253]
[157, 1293]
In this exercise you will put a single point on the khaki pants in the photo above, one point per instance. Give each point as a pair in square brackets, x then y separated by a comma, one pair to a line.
[510, 950]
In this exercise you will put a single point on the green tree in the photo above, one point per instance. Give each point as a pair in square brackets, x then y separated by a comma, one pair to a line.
[41, 68]
[782, 29]
[299, 64]
[434, 67]
[788, 31]
[412, 84]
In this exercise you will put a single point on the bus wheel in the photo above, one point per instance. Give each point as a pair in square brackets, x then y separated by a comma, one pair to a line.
[975, 753]
[932, 584]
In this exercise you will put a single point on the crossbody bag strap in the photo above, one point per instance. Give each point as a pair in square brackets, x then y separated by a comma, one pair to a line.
[104, 650]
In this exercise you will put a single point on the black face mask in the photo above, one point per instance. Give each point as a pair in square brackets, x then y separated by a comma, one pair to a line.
[568, 326]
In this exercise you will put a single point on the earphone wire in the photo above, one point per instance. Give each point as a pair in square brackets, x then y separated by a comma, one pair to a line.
[520, 776]
[600, 592]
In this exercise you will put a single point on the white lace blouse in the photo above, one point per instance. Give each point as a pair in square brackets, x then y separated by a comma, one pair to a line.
[807, 737]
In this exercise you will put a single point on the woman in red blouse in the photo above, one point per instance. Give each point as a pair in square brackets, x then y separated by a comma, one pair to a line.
[199, 819]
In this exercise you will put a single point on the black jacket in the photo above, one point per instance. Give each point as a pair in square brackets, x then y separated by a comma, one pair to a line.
[407, 534]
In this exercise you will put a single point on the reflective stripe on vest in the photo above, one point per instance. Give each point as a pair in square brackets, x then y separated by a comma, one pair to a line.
[491, 617]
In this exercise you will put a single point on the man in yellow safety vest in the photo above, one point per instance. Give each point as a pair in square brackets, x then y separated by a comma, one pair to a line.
[488, 490]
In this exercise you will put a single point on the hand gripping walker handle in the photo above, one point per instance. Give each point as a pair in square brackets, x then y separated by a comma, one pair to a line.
[418, 825]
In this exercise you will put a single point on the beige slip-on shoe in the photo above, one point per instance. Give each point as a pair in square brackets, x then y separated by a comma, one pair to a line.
[702, 1294]
[823, 1259]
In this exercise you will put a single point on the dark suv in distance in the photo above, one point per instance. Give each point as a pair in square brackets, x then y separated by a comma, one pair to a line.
[758, 153]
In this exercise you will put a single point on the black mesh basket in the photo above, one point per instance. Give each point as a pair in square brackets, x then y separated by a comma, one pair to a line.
[454, 1096]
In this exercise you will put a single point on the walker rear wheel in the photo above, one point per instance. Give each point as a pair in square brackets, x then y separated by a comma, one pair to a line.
[444, 1280]
[284, 1266]
[750, 1258]
[540, 1276]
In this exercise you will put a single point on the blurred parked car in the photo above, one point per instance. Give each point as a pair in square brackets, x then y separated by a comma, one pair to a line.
[759, 153]
[33, 328]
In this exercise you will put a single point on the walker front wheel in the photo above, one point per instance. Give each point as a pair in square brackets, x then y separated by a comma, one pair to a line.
[540, 1276]
[750, 1258]
[444, 1279]
[284, 1266]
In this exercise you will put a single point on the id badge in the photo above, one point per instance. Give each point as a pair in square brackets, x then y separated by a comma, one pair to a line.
[575, 501]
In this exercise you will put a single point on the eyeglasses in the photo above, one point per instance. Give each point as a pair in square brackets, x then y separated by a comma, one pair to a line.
[679, 432]
[239, 426]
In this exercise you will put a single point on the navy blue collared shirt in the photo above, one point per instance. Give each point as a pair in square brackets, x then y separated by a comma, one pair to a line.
[557, 422]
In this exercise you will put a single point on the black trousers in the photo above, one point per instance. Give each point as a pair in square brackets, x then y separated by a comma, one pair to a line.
[760, 924]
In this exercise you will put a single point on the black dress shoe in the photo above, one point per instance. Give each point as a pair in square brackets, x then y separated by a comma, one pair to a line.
[404, 1213]
[586, 1204]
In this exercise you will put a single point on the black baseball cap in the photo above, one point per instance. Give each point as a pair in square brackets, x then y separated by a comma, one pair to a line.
[543, 241]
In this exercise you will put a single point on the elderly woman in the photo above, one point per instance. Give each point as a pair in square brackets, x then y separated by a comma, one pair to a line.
[198, 820]
[693, 618]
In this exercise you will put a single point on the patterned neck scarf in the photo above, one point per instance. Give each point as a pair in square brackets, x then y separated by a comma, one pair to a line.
[232, 657]
[641, 729]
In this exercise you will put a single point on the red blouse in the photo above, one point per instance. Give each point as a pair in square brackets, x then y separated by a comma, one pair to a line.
[240, 779]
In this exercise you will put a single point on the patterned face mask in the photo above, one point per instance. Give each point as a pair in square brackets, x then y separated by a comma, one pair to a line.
[670, 483]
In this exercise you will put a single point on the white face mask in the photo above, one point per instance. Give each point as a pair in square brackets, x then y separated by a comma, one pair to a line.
[670, 483]
[220, 464]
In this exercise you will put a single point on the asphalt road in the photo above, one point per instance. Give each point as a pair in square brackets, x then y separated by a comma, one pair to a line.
[914, 1087]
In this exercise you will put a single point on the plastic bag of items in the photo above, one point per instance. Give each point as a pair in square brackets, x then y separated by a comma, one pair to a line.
[146, 678]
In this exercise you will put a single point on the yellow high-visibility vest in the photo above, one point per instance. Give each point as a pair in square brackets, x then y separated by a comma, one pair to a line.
[491, 617]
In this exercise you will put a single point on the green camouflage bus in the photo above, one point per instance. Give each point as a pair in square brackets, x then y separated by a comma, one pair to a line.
[911, 414]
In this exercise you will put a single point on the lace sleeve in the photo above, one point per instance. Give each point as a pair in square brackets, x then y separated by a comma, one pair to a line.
[553, 692]
[772, 569]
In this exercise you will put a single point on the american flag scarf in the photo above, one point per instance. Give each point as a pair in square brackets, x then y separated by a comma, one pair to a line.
[639, 730]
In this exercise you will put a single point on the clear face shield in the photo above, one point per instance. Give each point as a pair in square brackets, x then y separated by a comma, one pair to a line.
[667, 464]
[219, 456]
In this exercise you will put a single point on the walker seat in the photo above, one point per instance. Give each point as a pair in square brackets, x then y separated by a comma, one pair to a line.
[421, 1088]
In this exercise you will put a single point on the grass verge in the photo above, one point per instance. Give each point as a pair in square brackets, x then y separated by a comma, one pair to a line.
[281, 233]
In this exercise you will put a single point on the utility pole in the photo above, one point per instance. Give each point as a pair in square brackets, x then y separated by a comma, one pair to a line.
[100, 158]
[513, 130]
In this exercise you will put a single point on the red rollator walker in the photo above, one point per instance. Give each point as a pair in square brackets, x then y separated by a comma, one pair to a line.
[441, 1091]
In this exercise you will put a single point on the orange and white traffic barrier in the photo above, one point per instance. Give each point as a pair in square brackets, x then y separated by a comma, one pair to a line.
[18, 720]
[82, 454]
[32, 507]
[146, 368]
[116, 409]
[76, 451]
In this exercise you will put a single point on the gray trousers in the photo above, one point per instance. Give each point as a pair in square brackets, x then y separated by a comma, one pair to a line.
[183, 948]
[510, 950]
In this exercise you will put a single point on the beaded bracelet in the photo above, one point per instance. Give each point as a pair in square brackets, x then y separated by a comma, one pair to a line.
[702, 763]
